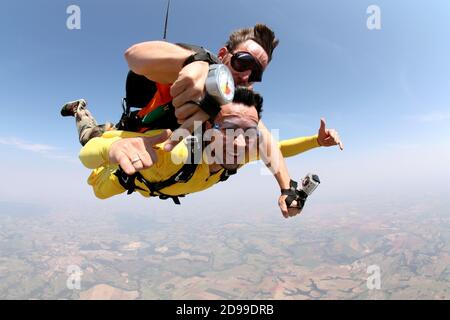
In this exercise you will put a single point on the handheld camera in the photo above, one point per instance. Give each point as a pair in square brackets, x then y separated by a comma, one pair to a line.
[301, 191]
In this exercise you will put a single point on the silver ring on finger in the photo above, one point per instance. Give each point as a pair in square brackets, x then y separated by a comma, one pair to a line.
[137, 159]
[198, 101]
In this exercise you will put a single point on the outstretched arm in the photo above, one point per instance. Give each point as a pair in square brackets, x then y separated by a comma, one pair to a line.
[162, 62]
[324, 138]
[134, 154]
[274, 161]
[273, 156]
[294, 146]
[133, 151]
[122, 147]
[157, 60]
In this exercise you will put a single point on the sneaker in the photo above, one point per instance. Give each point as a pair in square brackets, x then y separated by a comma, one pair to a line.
[70, 108]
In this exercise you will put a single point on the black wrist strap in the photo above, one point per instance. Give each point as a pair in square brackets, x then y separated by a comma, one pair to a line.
[292, 188]
[291, 193]
[294, 195]
[199, 56]
[208, 104]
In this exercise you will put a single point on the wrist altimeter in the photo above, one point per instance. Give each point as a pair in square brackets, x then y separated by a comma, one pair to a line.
[219, 84]
[219, 88]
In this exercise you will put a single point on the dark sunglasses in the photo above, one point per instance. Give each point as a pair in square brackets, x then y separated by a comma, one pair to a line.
[242, 61]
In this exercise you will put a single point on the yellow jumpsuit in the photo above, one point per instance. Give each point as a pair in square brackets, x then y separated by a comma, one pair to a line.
[94, 155]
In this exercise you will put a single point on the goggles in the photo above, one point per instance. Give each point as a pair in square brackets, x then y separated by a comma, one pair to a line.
[242, 61]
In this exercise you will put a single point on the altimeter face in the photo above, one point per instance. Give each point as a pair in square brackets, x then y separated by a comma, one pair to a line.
[226, 83]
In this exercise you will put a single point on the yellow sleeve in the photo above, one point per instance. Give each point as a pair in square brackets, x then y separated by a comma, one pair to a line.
[95, 153]
[292, 147]
[104, 183]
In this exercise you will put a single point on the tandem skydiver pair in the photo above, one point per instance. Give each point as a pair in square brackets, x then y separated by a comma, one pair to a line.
[181, 85]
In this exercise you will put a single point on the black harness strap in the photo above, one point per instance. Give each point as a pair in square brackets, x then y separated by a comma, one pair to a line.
[155, 192]
[181, 176]
[127, 181]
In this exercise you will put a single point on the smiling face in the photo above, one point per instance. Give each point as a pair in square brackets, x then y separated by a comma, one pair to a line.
[237, 124]
[253, 48]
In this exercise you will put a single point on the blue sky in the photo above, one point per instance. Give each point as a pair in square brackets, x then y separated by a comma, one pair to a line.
[387, 91]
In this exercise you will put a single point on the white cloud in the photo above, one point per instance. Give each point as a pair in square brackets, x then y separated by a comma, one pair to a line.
[46, 150]
[23, 145]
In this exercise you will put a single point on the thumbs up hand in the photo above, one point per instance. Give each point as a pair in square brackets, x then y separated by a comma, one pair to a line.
[328, 137]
